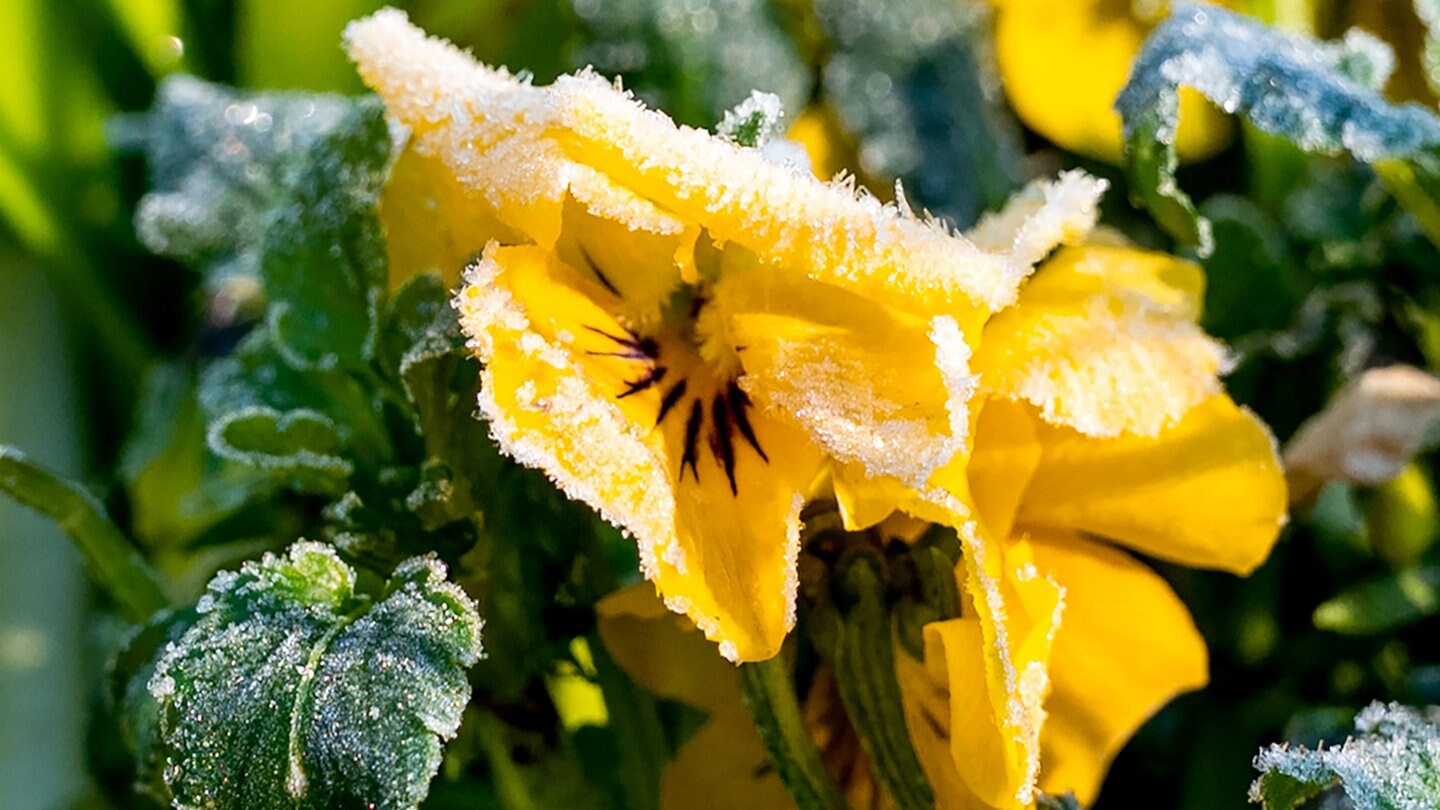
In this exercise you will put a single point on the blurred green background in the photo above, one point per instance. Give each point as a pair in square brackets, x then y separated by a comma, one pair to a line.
[1316, 276]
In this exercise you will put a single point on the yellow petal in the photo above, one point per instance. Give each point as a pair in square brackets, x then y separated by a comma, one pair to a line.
[489, 131]
[724, 766]
[870, 385]
[1062, 63]
[662, 651]
[432, 223]
[1103, 339]
[1007, 451]
[926, 698]
[716, 521]
[793, 222]
[1126, 647]
[995, 723]
[1208, 491]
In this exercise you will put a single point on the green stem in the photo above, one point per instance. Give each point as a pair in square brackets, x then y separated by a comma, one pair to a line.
[509, 782]
[112, 561]
[643, 748]
[858, 645]
[1400, 180]
[770, 693]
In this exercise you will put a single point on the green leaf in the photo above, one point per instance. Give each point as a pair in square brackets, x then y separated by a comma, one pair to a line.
[694, 61]
[220, 161]
[915, 84]
[111, 559]
[282, 187]
[129, 696]
[1322, 96]
[1392, 763]
[291, 690]
[324, 261]
[308, 430]
[303, 445]
[1384, 604]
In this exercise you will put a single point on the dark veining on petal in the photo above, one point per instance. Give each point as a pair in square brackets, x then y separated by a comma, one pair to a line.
[599, 274]
[670, 400]
[651, 379]
[740, 406]
[692, 436]
[722, 442]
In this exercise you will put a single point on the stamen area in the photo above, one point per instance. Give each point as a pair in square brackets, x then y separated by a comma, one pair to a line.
[713, 406]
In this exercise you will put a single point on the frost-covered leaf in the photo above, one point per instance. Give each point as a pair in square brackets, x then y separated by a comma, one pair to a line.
[301, 444]
[915, 84]
[324, 262]
[291, 690]
[136, 709]
[278, 186]
[693, 60]
[1392, 763]
[305, 429]
[220, 160]
[177, 490]
[1322, 96]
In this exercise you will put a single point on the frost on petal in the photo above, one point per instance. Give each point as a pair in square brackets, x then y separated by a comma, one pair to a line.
[995, 661]
[1042, 216]
[825, 231]
[489, 130]
[1104, 340]
[721, 551]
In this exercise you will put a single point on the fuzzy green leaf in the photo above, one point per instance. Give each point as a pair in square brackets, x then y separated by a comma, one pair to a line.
[282, 187]
[1392, 763]
[292, 691]
[1321, 96]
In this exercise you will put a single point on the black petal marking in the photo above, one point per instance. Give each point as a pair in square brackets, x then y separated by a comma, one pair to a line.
[670, 400]
[655, 375]
[722, 443]
[692, 435]
[740, 406]
[599, 274]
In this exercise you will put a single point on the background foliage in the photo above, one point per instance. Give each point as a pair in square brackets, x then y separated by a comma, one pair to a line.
[167, 381]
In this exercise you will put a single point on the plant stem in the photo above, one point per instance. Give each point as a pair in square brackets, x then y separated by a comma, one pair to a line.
[770, 694]
[112, 561]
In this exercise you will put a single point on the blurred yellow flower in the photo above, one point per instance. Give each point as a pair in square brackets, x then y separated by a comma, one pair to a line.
[681, 333]
[1062, 63]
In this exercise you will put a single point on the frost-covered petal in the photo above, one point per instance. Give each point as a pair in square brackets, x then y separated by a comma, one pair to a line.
[1125, 648]
[489, 131]
[872, 386]
[1207, 491]
[791, 221]
[995, 732]
[1104, 340]
[433, 223]
[717, 522]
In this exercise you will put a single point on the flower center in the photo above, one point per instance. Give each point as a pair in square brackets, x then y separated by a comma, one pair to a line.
[714, 409]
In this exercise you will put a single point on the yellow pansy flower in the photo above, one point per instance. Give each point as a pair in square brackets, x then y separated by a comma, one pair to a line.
[682, 334]
[1063, 62]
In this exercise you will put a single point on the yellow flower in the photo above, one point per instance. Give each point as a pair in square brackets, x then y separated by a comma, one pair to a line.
[1062, 63]
[1101, 418]
[679, 332]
